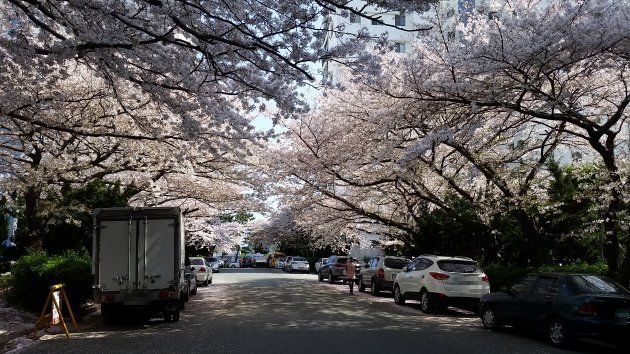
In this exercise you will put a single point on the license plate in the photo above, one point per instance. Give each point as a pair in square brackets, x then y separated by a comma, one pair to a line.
[622, 315]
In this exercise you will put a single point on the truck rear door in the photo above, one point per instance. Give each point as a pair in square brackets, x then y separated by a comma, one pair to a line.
[115, 258]
[156, 253]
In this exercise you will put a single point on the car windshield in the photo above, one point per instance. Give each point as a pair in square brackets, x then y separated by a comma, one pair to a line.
[596, 284]
[298, 259]
[396, 263]
[212, 259]
[196, 261]
[456, 266]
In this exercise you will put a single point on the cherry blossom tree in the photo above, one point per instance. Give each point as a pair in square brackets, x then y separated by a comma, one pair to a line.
[562, 64]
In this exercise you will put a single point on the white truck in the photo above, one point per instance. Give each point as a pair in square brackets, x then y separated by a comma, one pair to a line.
[138, 262]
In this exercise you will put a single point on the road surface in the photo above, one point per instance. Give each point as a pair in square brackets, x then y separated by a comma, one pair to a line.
[267, 311]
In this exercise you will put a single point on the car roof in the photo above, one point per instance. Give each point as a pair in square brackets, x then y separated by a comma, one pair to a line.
[461, 258]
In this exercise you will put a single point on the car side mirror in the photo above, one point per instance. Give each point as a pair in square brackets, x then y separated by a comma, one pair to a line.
[405, 269]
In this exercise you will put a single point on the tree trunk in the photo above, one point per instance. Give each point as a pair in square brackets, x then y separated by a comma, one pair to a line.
[32, 233]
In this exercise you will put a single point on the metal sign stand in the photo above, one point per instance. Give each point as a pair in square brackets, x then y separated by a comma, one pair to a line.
[46, 321]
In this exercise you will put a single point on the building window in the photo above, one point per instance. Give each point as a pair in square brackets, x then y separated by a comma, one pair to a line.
[376, 22]
[399, 47]
[354, 18]
[400, 20]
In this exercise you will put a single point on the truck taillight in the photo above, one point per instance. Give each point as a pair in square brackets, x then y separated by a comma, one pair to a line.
[381, 273]
[166, 294]
[485, 279]
[202, 270]
[438, 276]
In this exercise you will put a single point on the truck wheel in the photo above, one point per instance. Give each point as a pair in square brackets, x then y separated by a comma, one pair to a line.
[331, 279]
[176, 316]
[320, 277]
[168, 317]
[110, 315]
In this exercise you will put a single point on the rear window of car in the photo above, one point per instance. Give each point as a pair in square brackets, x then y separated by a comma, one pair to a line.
[196, 261]
[299, 259]
[455, 266]
[342, 260]
[596, 284]
[396, 263]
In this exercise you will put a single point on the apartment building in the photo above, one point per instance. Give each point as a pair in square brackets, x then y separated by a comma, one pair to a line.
[400, 29]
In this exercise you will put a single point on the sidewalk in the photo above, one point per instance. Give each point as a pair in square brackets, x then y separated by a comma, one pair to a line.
[16, 324]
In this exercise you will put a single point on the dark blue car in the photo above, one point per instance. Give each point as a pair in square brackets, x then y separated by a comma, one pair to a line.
[565, 306]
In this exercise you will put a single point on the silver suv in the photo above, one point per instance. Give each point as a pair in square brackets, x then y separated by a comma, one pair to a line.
[380, 273]
[439, 281]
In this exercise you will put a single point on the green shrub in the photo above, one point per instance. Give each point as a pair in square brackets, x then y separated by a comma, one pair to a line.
[597, 268]
[36, 271]
[503, 276]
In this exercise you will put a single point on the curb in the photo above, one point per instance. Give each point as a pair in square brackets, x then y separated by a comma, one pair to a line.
[89, 316]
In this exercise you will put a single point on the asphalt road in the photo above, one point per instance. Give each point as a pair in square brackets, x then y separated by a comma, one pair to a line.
[266, 311]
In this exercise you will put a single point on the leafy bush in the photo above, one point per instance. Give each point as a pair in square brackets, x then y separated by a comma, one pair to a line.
[597, 268]
[36, 271]
[504, 276]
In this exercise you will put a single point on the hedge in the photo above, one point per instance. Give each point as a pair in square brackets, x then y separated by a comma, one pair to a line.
[504, 276]
[36, 271]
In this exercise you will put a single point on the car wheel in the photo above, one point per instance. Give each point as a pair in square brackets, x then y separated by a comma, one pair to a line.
[194, 291]
[425, 302]
[210, 281]
[175, 316]
[331, 279]
[185, 295]
[375, 290]
[206, 282]
[489, 318]
[361, 285]
[398, 296]
[557, 333]
[320, 276]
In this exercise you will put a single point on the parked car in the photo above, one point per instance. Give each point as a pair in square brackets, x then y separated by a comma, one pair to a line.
[439, 281]
[298, 264]
[286, 261]
[214, 263]
[233, 264]
[335, 268]
[273, 259]
[191, 280]
[320, 262]
[566, 306]
[202, 270]
[260, 260]
[280, 262]
[247, 261]
[380, 273]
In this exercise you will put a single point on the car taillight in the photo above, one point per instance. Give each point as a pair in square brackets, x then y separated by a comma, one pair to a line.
[438, 276]
[485, 279]
[588, 308]
[109, 298]
[202, 270]
[381, 273]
